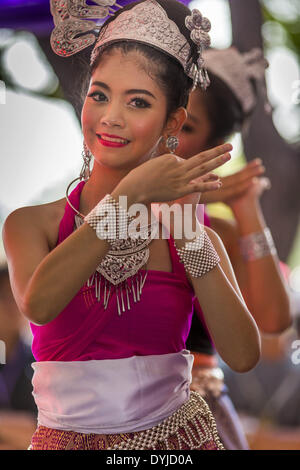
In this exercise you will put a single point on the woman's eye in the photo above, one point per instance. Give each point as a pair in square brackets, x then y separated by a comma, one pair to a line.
[97, 93]
[140, 103]
[188, 129]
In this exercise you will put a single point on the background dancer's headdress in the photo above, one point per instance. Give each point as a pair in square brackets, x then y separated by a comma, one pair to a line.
[147, 22]
[243, 73]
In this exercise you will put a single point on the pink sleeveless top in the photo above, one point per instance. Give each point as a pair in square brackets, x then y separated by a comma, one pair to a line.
[158, 324]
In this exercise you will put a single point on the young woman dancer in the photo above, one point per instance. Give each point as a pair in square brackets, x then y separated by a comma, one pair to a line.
[110, 314]
[213, 115]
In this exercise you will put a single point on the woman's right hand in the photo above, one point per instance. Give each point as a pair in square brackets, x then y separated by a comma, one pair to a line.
[168, 177]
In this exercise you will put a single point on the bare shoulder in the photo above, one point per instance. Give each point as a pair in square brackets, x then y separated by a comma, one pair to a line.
[29, 234]
[44, 218]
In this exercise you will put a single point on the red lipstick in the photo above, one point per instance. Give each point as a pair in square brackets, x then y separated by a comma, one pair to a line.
[111, 143]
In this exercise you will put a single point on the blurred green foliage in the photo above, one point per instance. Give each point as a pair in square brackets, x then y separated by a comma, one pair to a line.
[288, 17]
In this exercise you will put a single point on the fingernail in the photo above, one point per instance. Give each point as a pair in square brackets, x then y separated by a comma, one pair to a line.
[258, 160]
[267, 183]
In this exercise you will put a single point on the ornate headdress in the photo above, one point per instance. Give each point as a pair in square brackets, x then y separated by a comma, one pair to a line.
[147, 22]
[238, 70]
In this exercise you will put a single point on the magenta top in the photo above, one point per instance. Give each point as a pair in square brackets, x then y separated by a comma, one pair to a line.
[158, 324]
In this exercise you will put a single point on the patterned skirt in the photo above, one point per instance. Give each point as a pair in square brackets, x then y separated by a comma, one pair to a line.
[209, 383]
[192, 426]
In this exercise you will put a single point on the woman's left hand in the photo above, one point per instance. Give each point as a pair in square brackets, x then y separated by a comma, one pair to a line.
[192, 199]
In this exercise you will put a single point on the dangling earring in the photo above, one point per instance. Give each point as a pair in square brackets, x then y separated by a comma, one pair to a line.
[85, 174]
[85, 170]
[154, 153]
[172, 143]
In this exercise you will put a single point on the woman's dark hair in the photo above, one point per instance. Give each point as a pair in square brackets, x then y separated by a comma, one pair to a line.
[168, 73]
[224, 110]
[4, 276]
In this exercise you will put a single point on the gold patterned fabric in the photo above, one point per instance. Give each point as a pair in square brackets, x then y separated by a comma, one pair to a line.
[208, 381]
[191, 427]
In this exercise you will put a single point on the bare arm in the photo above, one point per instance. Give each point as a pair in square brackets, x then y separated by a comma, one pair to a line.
[44, 282]
[261, 281]
[228, 320]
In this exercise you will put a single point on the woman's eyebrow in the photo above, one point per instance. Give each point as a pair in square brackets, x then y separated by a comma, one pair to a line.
[127, 92]
[102, 84]
[145, 92]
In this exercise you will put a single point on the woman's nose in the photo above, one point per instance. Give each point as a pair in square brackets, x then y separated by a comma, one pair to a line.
[112, 117]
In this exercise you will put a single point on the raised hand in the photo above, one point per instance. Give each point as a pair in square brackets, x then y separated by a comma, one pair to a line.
[245, 183]
[169, 177]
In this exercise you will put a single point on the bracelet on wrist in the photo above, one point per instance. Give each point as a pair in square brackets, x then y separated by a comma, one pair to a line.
[199, 256]
[257, 245]
[128, 254]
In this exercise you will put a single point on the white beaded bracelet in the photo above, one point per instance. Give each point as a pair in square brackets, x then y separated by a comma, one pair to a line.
[108, 219]
[199, 256]
[111, 222]
[257, 245]
[128, 253]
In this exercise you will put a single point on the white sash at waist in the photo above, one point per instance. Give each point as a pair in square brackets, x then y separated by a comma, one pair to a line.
[111, 396]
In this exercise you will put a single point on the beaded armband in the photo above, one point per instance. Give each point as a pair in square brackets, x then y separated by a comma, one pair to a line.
[257, 245]
[109, 219]
[199, 256]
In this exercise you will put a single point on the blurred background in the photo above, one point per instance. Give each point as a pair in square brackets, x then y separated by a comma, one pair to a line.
[41, 141]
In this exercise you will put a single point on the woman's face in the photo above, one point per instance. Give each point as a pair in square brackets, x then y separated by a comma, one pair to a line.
[124, 112]
[196, 131]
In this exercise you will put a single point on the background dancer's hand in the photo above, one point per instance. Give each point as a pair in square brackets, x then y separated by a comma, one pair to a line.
[243, 183]
[169, 177]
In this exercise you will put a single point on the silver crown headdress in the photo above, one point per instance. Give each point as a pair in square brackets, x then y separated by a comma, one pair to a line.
[237, 70]
[147, 23]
